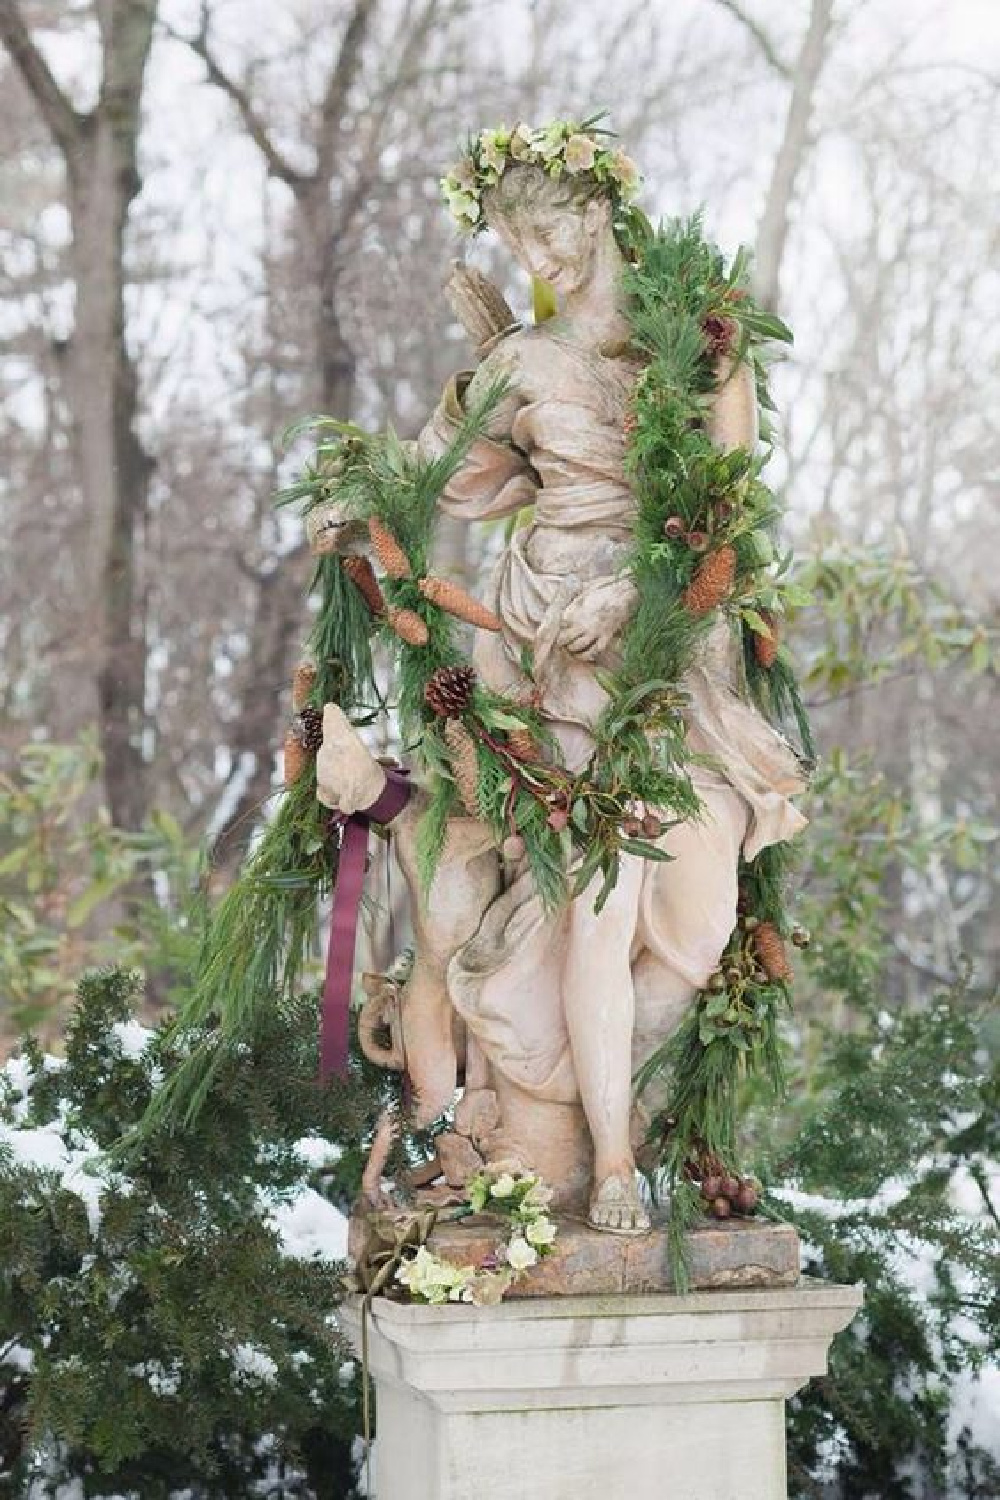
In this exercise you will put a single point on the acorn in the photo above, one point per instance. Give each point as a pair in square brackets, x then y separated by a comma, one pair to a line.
[801, 937]
[698, 540]
[747, 1198]
[513, 847]
[673, 528]
[632, 827]
[721, 1208]
[712, 1187]
[651, 826]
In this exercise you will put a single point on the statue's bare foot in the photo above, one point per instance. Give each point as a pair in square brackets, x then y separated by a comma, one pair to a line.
[616, 1206]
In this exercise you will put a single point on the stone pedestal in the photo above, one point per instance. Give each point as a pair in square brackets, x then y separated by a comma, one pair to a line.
[653, 1397]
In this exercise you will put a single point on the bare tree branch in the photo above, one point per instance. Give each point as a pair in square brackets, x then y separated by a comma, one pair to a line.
[342, 76]
[759, 35]
[278, 164]
[63, 121]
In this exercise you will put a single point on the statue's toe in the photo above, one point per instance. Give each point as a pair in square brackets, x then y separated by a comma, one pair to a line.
[616, 1207]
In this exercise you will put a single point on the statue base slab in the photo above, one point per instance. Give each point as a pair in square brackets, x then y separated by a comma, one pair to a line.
[579, 1398]
[587, 1262]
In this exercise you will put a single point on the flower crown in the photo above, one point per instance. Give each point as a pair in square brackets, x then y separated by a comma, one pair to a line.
[566, 146]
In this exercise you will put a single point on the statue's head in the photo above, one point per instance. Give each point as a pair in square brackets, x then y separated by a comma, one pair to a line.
[554, 196]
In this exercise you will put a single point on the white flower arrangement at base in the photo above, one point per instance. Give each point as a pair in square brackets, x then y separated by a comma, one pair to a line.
[518, 1196]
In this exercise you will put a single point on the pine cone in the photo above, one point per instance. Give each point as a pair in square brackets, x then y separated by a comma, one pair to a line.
[408, 626]
[769, 949]
[464, 764]
[303, 679]
[449, 691]
[712, 582]
[455, 601]
[309, 728]
[361, 573]
[719, 334]
[296, 758]
[523, 745]
[765, 647]
[390, 554]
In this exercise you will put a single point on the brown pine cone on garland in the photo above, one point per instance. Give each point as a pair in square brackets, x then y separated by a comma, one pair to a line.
[523, 745]
[769, 949]
[295, 758]
[361, 573]
[464, 764]
[390, 554]
[303, 679]
[309, 728]
[449, 691]
[408, 626]
[765, 647]
[712, 582]
[455, 601]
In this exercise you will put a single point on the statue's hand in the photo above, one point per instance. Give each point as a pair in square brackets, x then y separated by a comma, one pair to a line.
[593, 620]
[330, 529]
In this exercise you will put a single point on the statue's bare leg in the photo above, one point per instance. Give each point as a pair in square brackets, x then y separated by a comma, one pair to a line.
[597, 993]
[444, 919]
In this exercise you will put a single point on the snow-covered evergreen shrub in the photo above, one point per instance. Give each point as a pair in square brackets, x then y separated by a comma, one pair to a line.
[166, 1321]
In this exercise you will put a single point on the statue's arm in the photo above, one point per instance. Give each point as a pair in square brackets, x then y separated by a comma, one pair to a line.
[733, 421]
[495, 477]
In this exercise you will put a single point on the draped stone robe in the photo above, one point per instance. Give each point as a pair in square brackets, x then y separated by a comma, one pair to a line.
[564, 454]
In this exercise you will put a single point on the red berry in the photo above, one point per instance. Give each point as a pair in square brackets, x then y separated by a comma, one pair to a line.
[673, 527]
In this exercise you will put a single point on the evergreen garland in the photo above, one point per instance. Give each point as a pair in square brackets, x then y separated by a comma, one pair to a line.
[703, 541]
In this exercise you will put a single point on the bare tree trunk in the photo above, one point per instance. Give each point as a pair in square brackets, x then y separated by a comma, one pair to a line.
[772, 233]
[99, 151]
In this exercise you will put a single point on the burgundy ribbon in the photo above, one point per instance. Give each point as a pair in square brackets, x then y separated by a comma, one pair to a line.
[336, 1012]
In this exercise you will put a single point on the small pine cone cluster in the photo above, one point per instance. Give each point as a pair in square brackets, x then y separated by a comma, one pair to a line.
[464, 764]
[361, 573]
[408, 625]
[765, 647]
[712, 582]
[769, 950]
[309, 728]
[455, 601]
[449, 691]
[390, 554]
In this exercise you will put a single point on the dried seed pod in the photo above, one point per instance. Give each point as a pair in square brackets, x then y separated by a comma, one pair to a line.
[295, 758]
[801, 937]
[408, 626]
[712, 1186]
[651, 826]
[464, 764]
[730, 1186]
[721, 1208]
[455, 601]
[698, 541]
[673, 528]
[632, 828]
[747, 1198]
[770, 952]
[712, 582]
[390, 554]
[513, 847]
[361, 573]
[303, 679]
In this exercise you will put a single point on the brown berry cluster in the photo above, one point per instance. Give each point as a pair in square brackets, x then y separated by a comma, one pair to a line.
[647, 827]
[699, 538]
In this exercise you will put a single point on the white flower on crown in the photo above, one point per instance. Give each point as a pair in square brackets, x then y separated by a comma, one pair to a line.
[581, 153]
[493, 150]
[521, 142]
[503, 1187]
[624, 170]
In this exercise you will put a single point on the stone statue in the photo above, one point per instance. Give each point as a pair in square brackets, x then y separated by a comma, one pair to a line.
[546, 1017]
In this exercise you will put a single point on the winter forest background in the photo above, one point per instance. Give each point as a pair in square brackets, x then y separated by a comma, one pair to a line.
[216, 219]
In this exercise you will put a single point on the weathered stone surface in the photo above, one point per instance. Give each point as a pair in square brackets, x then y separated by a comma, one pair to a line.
[587, 1262]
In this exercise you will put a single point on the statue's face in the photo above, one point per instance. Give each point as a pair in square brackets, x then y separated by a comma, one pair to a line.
[556, 243]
